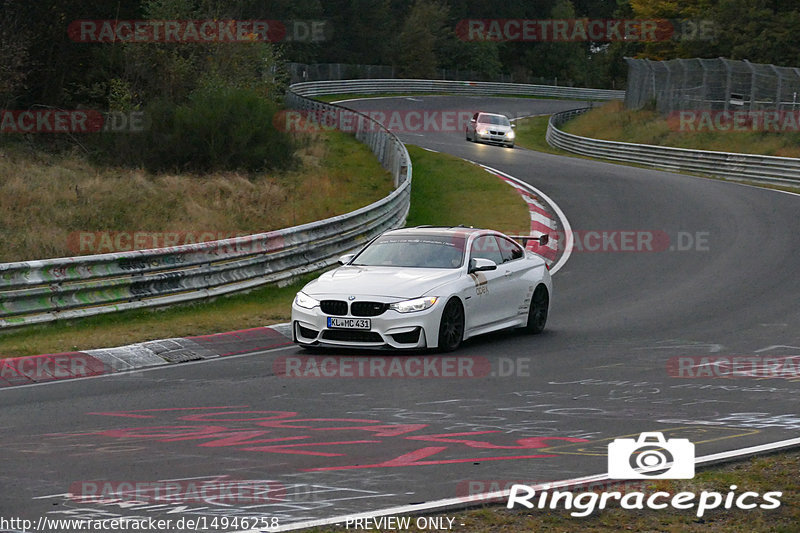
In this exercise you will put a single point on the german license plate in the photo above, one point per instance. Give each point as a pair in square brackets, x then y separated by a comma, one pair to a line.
[349, 323]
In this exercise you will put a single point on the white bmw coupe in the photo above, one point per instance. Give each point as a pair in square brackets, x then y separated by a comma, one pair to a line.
[425, 287]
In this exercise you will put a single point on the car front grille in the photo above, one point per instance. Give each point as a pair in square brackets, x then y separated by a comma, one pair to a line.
[346, 335]
[333, 307]
[368, 308]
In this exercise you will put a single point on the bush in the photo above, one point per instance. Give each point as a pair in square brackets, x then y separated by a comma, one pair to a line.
[219, 128]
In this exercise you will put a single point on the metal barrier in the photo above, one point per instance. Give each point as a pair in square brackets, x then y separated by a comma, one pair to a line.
[41, 291]
[319, 88]
[736, 166]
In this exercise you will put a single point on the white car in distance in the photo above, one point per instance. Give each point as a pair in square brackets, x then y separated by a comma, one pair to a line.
[425, 287]
[490, 127]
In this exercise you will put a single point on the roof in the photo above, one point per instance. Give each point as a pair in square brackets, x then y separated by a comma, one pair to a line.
[437, 230]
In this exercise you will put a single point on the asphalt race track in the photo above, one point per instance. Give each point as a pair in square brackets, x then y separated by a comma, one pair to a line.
[720, 280]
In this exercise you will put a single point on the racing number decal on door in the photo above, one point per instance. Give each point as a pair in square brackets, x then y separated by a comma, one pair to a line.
[480, 281]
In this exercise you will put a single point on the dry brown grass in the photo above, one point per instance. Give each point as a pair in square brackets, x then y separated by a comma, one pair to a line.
[47, 200]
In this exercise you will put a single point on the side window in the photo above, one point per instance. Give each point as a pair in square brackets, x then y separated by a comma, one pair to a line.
[486, 247]
[475, 116]
[510, 250]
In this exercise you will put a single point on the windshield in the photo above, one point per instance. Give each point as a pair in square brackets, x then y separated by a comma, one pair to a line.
[498, 120]
[415, 251]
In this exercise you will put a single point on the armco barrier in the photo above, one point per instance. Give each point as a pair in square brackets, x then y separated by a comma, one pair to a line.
[769, 169]
[40, 291]
[319, 88]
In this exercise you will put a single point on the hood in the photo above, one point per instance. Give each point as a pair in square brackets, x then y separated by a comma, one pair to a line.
[494, 127]
[393, 282]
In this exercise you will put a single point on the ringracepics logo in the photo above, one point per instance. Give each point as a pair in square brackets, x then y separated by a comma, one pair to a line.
[649, 456]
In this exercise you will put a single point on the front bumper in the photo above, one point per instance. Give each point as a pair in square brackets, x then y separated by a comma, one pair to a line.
[500, 139]
[388, 330]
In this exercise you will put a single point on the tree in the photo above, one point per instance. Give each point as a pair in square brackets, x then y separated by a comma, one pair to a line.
[416, 55]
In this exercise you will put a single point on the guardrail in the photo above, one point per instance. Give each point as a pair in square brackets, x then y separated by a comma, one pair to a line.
[41, 291]
[320, 88]
[736, 166]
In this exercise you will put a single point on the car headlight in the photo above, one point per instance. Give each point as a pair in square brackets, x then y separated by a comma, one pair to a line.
[483, 131]
[304, 300]
[510, 134]
[417, 304]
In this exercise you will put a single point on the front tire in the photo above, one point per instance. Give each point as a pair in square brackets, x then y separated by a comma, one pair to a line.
[451, 326]
[537, 312]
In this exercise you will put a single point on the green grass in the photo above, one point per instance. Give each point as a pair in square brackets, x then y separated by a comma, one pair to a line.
[531, 132]
[449, 191]
[615, 123]
[760, 474]
[446, 190]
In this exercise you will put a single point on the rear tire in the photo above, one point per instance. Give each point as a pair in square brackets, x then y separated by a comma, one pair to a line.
[537, 312]
[451, 326]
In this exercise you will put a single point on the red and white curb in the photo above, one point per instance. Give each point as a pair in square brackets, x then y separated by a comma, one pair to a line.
[546, 217]
[36, 369]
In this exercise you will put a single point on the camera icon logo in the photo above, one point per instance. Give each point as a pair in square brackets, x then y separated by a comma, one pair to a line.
[651, 457]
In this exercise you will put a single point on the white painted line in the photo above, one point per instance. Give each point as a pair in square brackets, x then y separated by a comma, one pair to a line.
[570, 240]
[467, 501]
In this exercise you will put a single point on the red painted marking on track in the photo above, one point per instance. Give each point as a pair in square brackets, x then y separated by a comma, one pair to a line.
[412, 459]
[283, 448]
[203, 417]
[244, 438]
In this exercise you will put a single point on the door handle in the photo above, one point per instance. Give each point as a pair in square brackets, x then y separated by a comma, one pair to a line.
[508, 273]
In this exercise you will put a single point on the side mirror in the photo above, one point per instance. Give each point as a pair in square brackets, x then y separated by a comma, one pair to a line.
[544, 239]
[513, 125]
[479, 264]
[346, 258]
